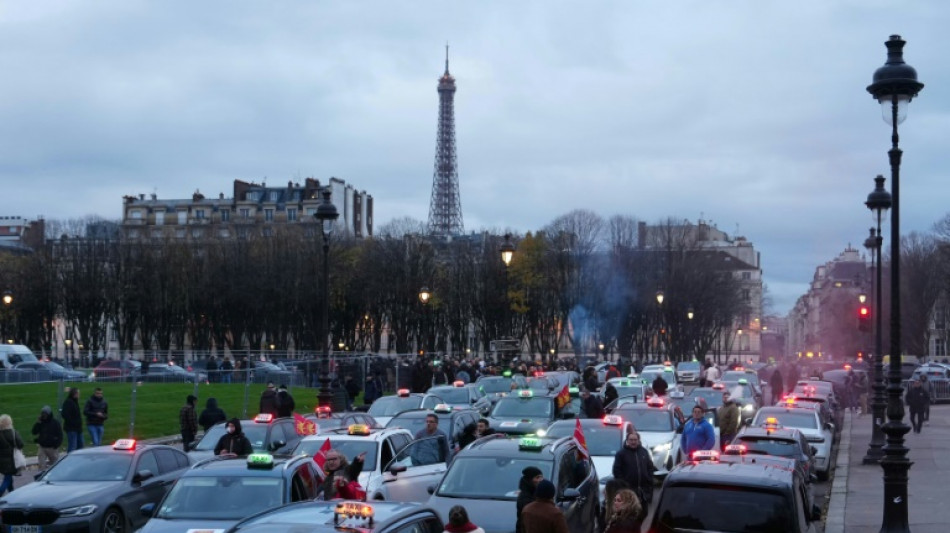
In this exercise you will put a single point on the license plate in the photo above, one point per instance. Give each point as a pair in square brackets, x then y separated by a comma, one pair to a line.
[25, 529]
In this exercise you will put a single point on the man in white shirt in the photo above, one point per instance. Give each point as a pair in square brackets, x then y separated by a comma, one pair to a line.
[712, 375]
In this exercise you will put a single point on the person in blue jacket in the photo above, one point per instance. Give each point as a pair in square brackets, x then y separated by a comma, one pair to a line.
[698, 433]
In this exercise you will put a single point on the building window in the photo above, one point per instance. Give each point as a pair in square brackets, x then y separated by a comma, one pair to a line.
[245, 213]
[254, 196]
[746, 295]
[180, 233]
[200, 214]
[157, 234]
[292, 214]
[242, 233]
[197, 233]
[134, 234]
[224, 233]
[135, 214]
[747, 276]
[940, 348]
[159, 218]
[274, 196]
[311, 211]
[268, 215]
[268, 232]
[225, 215]
[182, 217]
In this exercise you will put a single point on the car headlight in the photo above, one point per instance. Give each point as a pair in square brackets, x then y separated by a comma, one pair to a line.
[748, 407]
[662, 448]
[81, 510]
[542, 432]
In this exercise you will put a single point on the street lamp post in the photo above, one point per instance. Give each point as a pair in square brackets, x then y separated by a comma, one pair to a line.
[507, 254]
[879, 201]
[69, 356]
[894, 86]
[7, 304]
[659, 311]
[424, 296]
[689, 337]
[326, 215]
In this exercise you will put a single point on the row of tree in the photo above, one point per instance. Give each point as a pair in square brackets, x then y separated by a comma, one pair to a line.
[578, 282]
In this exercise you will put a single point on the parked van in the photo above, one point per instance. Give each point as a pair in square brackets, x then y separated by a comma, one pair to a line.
[11, 354]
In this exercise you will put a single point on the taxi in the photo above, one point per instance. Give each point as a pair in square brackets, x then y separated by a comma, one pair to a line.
[650, 373]
[351, 516]
[689, 371]
[524, 413]
[391, 469]
[266, 433]
[712, 395]
[771, 438]
[458, 395]
[484, 479]
[383, 409]
[221, 491]
[744, 394]
[497, 387]
[759, 496]
[808, 421]
[451, 421]
[654, 420]
[629, 387]
[327, 420]
[94, 489]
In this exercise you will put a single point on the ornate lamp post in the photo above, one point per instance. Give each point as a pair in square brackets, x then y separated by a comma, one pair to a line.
[689, 316]
[879, 201]
[894, 86]
[326, 215]
[507, 254]
[424, 296]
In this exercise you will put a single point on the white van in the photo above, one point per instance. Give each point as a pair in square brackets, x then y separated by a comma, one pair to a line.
[11, 354]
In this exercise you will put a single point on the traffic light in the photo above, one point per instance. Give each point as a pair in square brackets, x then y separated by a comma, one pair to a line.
[864, 318]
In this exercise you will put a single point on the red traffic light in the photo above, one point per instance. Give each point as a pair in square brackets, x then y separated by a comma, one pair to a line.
[864, 311]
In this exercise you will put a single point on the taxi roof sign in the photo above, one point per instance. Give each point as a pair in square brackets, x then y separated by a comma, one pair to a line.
[573, 390]
[530, 443]
[667, 369]
[442, 408]
[323, 411]
[735, 449]
[124, 444]
[719, 385]
[358, 429]
[264, 418]
[402, 393]
[743, 381]
[458, 383]
[613, 420]
[525, 393]
[353, 511]
[506, 373]
[260, 460]
[655, 401]
[705, 455]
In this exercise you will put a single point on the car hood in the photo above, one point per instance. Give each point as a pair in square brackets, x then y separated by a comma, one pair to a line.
[517, 424]
[494, 516]
[650, 439]
[64, 494]
[162, 525]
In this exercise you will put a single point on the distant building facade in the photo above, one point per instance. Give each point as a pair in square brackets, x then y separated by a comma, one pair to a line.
[19, 235]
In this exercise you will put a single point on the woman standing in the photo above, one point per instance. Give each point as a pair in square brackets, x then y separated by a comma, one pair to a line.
[9, 440]
[627, 511]
[459, 522]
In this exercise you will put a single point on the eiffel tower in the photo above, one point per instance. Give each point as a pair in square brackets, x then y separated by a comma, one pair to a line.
[445, 207]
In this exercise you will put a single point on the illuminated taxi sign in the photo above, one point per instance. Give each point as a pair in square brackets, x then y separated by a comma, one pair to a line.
[705, 455]
[506, 373]
[624, 383]
[667, 363]
[613, 420]
[743, 381]
[264, 418]
[458, 383]
[124, 444]
[677, 394]
[442, 408]
[790, 400]
[719, 385]
[530, 443]
[735, 449]
[655, 401]
[668, 369]
[573, 390]
[260, 460]
[353, 511]
[402, 393]
[323, 411]
[740, 369]
[358, 429]
[525, 393]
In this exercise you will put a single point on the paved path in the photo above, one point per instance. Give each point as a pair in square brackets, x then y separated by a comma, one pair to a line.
[857, 496]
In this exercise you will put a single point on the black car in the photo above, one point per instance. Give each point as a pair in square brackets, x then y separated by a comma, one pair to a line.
[354, 517]
[462, 396]
[328, 421]
[95, 489]
[491, 498]
[266, 433]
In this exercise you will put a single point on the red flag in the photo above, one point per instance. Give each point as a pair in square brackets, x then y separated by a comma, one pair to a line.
[304, 426]
[580, 440]
[321, 456]
[563, 398]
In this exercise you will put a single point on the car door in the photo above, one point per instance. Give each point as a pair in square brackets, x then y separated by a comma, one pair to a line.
[150, 490]
[418, 466]
[577, 491]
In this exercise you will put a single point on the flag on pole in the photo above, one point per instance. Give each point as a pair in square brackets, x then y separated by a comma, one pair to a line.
[321, 457]
[563, 398]
[580, 440]
[304, 426]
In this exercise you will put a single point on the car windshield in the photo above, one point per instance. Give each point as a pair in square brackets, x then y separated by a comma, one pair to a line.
[451, 394]
[326, 424]
[649, 376]
[601, 439]
[688, 365]
[91, 467]
[492, 385]
[466, 478]
[647, 419]
[256, 433]
[632, 390]
[739, 390]
[806, 420]
[393, 405]
[699, 508]
[530, 407]
[538, 384]
[713, 397]
[350, 448]
[417, 421]
[769, 446]
[220, 497]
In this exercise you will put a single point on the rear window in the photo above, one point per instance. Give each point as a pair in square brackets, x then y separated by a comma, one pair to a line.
[770, 446]
[806, 420]
[699, 508]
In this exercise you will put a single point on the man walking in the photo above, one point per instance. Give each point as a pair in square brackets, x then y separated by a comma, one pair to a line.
[49, 436]
[285, 402]
[269, 400]
[634, 466]
[96, 411]
[728, 421]
[188, 422]
[698, 433]
[777, 385]
[72, 420]
[917, 399]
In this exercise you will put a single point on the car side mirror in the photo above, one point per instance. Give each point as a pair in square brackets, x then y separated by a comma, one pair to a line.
[747, 421]
[396, 469]
[277, 444]
[571, 494]
[147, 510]
[142, 475]
[829, 426]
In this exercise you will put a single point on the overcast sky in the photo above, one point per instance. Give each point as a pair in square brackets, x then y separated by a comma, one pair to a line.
[752, 115]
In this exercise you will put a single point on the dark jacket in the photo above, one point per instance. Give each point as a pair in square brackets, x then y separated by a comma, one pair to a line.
[659, 386]
[9, 439]
[468, 436]
[72, 415]
[525, 496]
[49, 434]
[211, 415]
[630, 524]
[635, 467]
[96, 405]
[917, 398]
[187, 420]
[268, 402]
[610, 393]
[285, 404]
[235, 443]
[777, 384]
[352, 389]
[542, 516]
[372, 390]
[593, 407]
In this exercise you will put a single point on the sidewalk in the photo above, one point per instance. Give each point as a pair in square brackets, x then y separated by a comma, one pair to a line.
[857, 494]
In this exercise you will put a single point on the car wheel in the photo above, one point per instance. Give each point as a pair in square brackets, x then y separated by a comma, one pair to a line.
[113, 521]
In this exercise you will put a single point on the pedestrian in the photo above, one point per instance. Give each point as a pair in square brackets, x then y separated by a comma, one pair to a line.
[268, 403]
[627, 515]
[459, 522]
[659, 386]
[777, 385]
[712, 374]
[211, 415]
[352, 390]
[917, 399]
[285, 402]
[530, 477]
[435, 452]
[227, 368]
[610, 393]
[483, 428]
[591, 404]
[928, 387]
[468, 436]
[233, 443]
[729, 421]
[9, 441]
[542, 515]
[188, 422]
[48, 435]
[633, 465]
[372, 389]
[97, 412]
[145, 364]
[698, 433]
[590, 379]
[72, 420]
[339, 474]
[611, 488]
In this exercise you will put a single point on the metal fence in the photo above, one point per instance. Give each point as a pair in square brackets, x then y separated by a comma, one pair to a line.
[939, 390]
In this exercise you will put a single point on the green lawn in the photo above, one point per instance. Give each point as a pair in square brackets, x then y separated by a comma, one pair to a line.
[156, 405]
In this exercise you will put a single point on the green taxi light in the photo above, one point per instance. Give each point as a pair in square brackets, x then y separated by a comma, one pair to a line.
[573, 390]
[743, 381]
[667, 369]
[529, 443]
[625, 383]
[506, 373]
[260, 460]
